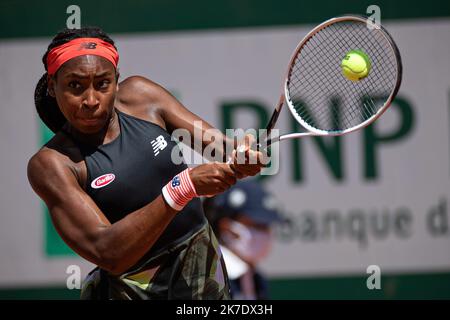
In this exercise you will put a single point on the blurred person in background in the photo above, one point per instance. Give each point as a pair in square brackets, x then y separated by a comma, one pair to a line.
[242, 218]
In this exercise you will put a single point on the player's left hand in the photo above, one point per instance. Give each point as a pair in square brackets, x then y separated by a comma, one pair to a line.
[246, 160]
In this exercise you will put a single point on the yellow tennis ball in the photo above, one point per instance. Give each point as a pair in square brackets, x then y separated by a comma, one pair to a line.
[355, 65]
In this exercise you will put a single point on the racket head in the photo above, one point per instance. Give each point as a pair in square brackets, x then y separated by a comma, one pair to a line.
[323, 48]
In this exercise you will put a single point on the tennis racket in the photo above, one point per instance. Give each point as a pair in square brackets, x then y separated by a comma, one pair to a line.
[320, 98]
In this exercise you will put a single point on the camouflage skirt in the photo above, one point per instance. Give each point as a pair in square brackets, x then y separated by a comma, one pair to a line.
[191, 270]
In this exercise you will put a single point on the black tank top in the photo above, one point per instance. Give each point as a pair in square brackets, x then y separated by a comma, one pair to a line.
[129, 172]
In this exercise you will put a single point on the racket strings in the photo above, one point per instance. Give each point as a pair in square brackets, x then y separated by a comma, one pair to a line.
[366, 111]
[319, 93]
[314, 100]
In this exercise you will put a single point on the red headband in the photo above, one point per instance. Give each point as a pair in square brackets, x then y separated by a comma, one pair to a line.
[78, 47]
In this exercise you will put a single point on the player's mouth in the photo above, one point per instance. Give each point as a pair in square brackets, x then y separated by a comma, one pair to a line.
[91, 121]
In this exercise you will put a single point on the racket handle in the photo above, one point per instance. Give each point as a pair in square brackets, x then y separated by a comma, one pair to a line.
[267, 143]
[275, 114]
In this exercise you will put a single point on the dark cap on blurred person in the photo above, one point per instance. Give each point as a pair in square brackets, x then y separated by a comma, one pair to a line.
[247, 198]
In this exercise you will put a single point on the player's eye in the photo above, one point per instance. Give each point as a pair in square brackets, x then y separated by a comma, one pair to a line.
[74, 85]
[103, 84]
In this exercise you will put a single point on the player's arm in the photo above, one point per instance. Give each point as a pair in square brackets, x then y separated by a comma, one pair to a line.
[176, 115]
[82, 225]
[153, 101]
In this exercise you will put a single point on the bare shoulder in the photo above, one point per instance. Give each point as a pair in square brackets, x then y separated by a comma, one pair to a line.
[143, 98]
[44, 160]
[138, 90]
[49, 168]
[40, 166]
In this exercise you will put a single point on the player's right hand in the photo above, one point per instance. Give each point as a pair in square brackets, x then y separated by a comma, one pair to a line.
[212, 178]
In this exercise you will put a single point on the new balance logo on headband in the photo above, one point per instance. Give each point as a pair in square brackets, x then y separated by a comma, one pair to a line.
[158, 145]
[87, 45]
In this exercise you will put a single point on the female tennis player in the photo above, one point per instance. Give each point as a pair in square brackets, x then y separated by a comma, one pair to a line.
[113, 193]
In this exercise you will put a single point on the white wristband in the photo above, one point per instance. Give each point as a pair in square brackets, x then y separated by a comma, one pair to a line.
[179, 191]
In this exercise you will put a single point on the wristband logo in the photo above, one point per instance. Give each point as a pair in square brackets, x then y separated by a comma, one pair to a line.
[102, 181]
[176, 181]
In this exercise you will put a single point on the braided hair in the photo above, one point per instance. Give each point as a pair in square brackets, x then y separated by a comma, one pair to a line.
[46, 105]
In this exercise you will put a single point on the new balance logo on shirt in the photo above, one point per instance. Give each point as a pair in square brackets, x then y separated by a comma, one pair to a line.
[158, 145]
